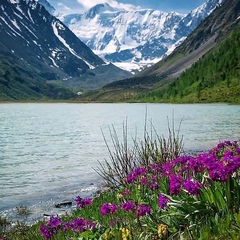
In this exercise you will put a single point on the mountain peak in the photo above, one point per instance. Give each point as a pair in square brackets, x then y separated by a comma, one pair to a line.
[134, 38]
[97, 9]
[208, 7]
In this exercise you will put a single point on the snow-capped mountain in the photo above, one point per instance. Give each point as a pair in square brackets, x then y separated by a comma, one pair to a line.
[28, 31]
[134, 39]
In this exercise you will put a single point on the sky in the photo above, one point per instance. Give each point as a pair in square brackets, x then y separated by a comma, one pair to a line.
[80, 6]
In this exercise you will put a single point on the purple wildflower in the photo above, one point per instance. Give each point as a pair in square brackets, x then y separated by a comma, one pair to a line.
[219, 174]
[209, 160]
[51, 228]
[227, 155]
[91, 225]
[181, 164]
[132, 176]
[79, 201]
[192, 187]
[79, 225]
[233, 165]
[156, 167]
[67, 226]
[140, 171]
[162, 201]
[125, 192]
[142, 210]
[82, 203]
[144, 181]
[107, 208]
[175, 184]
[87, 201]
[46, 231]
[183, 160]
[127, 206]
[154, 178]
[224, 144]
[167, 169]
[195, 164]
[154, 186]
[54, 222]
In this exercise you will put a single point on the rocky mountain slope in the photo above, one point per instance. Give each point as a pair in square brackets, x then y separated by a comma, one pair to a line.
[135, 39]
[48, 48]
[211, 32]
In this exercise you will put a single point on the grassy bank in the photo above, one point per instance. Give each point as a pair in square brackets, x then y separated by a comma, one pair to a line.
[154, 192]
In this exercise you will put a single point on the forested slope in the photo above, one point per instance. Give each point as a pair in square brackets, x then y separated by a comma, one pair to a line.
[19, 82]
[214, 78]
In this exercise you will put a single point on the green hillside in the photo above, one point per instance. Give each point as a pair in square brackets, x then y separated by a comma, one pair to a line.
[19, 81]
[214, 78]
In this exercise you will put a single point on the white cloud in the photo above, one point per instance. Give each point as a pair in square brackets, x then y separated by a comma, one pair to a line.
[88, 4]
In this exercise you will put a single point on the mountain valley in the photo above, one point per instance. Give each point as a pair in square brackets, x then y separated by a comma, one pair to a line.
[155, 83]
[42, 59]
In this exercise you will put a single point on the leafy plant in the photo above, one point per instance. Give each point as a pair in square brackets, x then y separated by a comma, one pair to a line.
[152, 149]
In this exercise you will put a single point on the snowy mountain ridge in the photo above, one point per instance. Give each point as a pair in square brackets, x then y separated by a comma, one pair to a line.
[134, 39]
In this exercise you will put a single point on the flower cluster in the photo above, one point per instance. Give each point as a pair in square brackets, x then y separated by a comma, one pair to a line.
[51, 228]
[55, 225]
[125, 233]
[127, 206]
[154, 186]
[82, 203]
[175, 182]
[158, 190]
[79, 225]
[133, 176]
[221, 161]
[192, 187]
[219, 164]
[107, 208]
[142, 210]
[139, 209]
[162, 201]
[162, 230]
